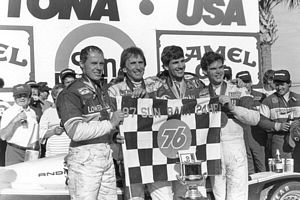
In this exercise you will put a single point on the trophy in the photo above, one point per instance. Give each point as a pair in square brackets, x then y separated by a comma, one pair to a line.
[191, 175]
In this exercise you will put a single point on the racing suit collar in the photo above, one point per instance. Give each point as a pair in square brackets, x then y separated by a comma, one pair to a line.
[90, 83]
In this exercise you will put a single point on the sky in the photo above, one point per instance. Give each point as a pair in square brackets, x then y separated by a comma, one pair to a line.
[286, 50]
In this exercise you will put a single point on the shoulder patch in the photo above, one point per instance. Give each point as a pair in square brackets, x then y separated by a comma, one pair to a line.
[84, 91]
[274, 100]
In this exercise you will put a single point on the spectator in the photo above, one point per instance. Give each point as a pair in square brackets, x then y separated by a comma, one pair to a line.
[3, 106]
[67, 76]
[130, 82]
[18, 123]
[268, 84]
[233, 182]
[35, 102]
[277, 108]
[50, 129]
[85, 114]
[255, 137]
[44, 94]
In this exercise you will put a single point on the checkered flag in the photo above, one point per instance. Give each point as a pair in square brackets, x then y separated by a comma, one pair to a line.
[156, 129]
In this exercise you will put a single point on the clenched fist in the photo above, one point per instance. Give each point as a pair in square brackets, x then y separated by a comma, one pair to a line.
[117, 117]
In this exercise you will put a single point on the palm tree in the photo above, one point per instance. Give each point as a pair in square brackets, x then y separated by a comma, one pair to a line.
[268, 28]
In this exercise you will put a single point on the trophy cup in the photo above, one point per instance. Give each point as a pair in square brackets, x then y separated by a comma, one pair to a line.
[191, 175]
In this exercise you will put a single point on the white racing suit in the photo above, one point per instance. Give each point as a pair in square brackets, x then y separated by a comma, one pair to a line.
[84, 111]
[158, 190]
[232, 184]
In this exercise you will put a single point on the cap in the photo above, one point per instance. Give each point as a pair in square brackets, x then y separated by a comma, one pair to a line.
[294, 133]
[282, 76]
[227, 72]
[32, 84]
[43, 87]
[66, 72]
[21, 89]
[244, 76]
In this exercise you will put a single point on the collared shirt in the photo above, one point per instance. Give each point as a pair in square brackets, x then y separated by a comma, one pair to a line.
[22, 134]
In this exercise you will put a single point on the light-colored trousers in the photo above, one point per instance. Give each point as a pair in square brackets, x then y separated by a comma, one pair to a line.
[91, 173]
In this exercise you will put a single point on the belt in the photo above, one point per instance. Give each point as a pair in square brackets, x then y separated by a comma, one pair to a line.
[17, 146]
[102, 139]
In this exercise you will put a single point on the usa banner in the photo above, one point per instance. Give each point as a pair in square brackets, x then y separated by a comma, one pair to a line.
[156, 129]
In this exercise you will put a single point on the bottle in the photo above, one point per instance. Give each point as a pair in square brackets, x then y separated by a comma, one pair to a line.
[278, 162]
[290, 119]
[33, 147]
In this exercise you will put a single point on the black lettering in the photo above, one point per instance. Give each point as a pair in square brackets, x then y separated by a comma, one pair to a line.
[113, 67]
[231, 54]
[182, 12]
[235, 13]
[112, 11]
[41, 174]
[50, 173]
[195, 52]
[144, 112]
[47, 13]
[63, 8]
[81, 8]
[218, 13]
[59, 173]
[13, 58]
[14, 8]
[246, 60]
[2, 52]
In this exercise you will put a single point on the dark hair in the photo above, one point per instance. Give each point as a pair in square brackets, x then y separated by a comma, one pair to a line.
[85, 52]
[1, 83]
[209, 57]
[268, 75]
[170, 53]
[126, 54]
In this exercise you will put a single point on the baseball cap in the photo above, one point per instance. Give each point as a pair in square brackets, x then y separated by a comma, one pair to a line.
[21, 89]
[66, 72]
[43, 86]
[227, 71]
[244, 76]
[32, 84]
[282, 76]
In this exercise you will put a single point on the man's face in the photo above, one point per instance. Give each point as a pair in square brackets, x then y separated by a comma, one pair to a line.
[68, 80]
[134, 68]
[215, 72]
[22, 100]
[176, 68]
[272, 84]
[282, 88]
[44, 95]
[94, 65]
[35, 94]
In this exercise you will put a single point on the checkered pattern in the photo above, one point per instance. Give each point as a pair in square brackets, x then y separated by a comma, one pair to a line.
[143, 159]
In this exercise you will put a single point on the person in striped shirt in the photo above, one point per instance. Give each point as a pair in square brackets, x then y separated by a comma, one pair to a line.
[50, 129]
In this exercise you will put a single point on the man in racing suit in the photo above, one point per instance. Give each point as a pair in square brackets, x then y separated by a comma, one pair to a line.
[175, 83]
[232, 184]
[85, 114]
[278, 108]
[130, 82]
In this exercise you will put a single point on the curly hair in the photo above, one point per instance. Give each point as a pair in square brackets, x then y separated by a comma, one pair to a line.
[208, 58]
[170, 53]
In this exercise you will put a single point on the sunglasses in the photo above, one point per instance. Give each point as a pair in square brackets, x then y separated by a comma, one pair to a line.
[17, 96]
